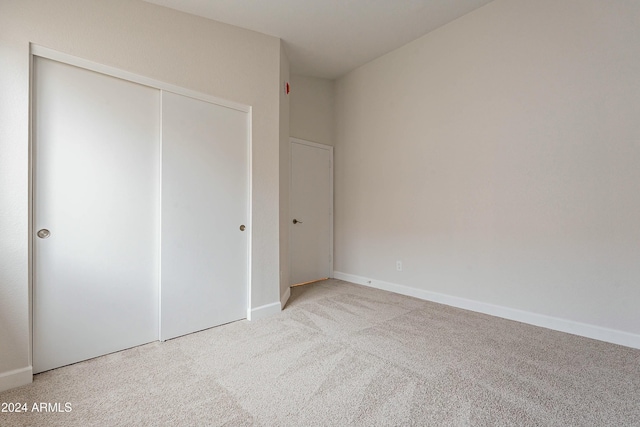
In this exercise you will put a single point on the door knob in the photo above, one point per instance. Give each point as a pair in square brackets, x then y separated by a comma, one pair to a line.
[295, 221]
[44, 233]
[242, 227]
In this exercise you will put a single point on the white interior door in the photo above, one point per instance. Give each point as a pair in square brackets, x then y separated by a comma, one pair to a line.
[96, 190]
[311, 226]
[205, 194]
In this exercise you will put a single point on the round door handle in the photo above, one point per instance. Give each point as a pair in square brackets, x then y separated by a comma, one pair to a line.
[242, 227]
[44, 233]
[295, 221]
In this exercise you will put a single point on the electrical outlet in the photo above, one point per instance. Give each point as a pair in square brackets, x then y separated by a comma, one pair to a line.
[399, 265]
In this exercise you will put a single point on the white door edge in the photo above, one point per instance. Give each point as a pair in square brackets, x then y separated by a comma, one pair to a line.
[312, 144]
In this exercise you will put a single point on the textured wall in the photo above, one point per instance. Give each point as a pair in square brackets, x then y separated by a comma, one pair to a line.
[498, 158]
[196, 53]
[312, 101]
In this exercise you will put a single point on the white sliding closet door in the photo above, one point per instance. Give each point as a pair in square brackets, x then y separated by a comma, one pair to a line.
[96, 207]
[205, 193]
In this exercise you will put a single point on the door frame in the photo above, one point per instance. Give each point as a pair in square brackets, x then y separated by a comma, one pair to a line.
[331, 198]
[47, 53]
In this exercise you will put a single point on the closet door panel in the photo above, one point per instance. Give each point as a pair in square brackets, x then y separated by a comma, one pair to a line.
[205, 193]
[96, 148]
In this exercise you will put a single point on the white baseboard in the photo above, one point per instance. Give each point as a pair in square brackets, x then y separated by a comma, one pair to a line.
[264, 311]
[284, 298]
[16, 378]
[555, 323]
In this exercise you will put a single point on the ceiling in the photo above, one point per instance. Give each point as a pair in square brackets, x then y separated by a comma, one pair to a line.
[328, 38]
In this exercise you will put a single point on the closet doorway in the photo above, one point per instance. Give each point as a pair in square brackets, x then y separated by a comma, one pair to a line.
[140, 210]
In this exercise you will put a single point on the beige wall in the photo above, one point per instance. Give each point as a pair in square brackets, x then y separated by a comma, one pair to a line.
[499, 158]
[196, 53]
[284, 174]
[312, 101]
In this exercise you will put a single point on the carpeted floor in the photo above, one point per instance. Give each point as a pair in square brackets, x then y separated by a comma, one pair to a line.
[342, 354]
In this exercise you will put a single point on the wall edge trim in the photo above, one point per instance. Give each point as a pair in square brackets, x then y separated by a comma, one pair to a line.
[264, 311]
[16, 378]
[284, 298]
[599, 333]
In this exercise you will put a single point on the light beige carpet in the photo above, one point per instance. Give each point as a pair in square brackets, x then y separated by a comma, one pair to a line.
[342, 354]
